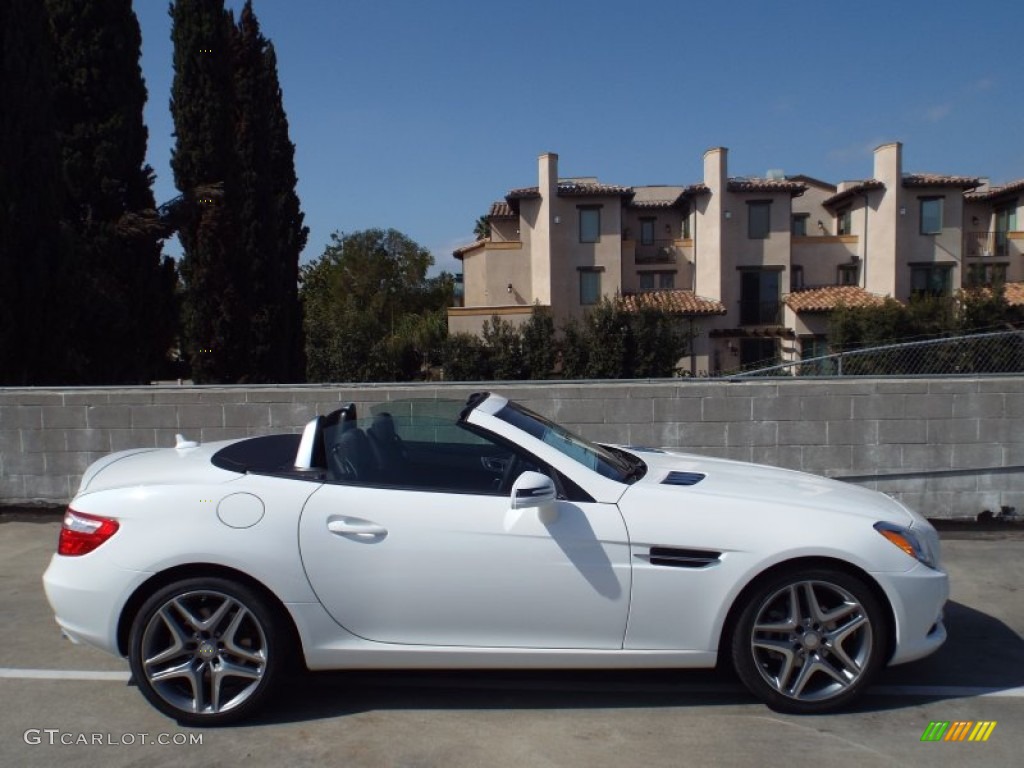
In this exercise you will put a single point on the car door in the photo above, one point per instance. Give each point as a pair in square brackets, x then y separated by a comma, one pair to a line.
[443, 559]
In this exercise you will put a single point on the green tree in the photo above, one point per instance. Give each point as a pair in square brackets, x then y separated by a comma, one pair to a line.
[539, 344]
[608, 338]
[482, 228]
[271, 234]
[121, 318]
[359, 299]
[986, 309]
[574, 350]
[610, 343]
[216, 280]
[659, 341]
[504, 342]
[466, 358]
[32, 252]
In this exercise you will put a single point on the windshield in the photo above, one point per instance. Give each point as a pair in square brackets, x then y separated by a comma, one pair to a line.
[619, 466]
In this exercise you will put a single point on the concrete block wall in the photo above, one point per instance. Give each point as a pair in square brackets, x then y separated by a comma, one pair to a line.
[949, 447]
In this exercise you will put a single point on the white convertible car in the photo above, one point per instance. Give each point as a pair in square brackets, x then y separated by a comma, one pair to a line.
[442, 534]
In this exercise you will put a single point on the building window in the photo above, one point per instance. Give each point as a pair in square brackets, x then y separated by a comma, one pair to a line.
[661, 281]
[800, 224]
[1006, 221]
[979, 275]
[590, 286]
[931, 280]
[686, 224]
[590, 225]
[796, 277]
[931, 215]
[812, 348]
[848, 274]
[647, 231]
[758, 353]
[759, 214]
[759, 296]
[844, 219]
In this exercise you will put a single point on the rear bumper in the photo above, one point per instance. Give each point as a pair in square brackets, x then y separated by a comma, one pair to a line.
[87, 596]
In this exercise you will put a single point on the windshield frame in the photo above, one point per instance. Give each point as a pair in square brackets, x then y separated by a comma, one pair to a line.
[614, 465]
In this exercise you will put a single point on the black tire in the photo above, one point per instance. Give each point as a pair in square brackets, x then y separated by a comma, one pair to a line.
[207, 651]
[818, 657]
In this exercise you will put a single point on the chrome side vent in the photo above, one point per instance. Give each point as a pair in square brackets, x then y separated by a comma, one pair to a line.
[683, 558]
[683, 478]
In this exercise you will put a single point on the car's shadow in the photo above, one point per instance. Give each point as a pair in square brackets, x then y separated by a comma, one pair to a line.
[981, 653]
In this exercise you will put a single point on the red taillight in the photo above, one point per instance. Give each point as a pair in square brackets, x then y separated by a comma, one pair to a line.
[82, 533]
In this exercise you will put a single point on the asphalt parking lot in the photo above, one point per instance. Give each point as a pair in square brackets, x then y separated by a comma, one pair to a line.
[66, 705]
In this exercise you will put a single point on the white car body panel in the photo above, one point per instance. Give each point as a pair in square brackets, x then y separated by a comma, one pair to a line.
[466, 570]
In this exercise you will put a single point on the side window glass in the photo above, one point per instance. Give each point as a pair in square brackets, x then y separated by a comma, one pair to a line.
[420, 446]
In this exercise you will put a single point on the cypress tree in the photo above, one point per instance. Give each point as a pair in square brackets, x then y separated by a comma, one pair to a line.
[239, 222]
[271, 234]
[32, 252]
[123, 308]
[204, 165]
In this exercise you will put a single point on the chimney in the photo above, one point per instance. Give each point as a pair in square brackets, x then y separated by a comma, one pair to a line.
[712, 241]
[547, 175]
[541, 252]
[889, 164]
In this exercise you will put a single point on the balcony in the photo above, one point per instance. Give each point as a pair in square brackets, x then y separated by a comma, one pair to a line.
[660, 252]
[760, 312]
[981, 244]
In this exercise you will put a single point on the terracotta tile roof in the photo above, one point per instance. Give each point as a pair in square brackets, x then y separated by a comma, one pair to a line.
[829, 297]
[501, 210]
[648, 204]
[811, 181]
[1014, 293]
[700, 188]
[855, 188]
[662, 196]
[522, 193]
[592, 190]
[677, 302]
[572, 189]
[996, 192]
[795, 188]
[458, 253]
[938, 180]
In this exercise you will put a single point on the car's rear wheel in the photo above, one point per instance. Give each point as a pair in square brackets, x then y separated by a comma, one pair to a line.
[206, 651]
[809, 641]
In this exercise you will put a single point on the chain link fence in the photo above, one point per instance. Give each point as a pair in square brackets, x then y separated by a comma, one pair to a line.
[979, 354]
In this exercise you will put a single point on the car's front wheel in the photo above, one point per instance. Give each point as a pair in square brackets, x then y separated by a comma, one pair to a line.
[206, 651]
[809, 641]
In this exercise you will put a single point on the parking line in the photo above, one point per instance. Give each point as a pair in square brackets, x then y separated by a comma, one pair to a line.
[969, 691]
[11, 673]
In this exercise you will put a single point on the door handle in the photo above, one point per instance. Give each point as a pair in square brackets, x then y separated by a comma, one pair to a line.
[364, 528]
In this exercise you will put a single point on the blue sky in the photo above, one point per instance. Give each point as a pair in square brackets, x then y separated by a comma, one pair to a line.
[417, 115]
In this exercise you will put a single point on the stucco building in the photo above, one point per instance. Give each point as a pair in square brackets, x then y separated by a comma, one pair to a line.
[755, 264]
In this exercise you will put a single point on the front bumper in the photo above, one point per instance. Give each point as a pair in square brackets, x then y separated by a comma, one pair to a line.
[917, 597]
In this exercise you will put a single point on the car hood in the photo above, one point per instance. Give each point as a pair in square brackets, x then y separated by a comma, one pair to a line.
[156, 466]
[703, 476]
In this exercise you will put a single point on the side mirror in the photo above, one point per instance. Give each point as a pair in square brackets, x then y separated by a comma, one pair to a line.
[534, 490]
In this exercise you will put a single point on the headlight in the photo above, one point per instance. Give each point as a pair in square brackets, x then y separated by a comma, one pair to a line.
[908, 541]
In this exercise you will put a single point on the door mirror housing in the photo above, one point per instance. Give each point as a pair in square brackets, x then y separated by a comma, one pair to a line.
[533, 490]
